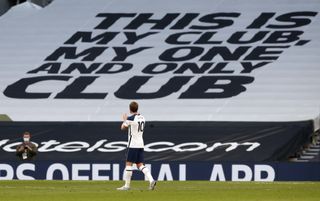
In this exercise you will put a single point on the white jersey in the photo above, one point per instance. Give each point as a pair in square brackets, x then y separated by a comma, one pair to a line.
[135, 124]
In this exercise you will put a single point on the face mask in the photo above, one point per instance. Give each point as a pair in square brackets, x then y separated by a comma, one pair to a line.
[26, 139]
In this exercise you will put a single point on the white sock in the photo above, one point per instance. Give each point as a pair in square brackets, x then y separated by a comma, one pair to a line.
[127, 176]
[146, 172]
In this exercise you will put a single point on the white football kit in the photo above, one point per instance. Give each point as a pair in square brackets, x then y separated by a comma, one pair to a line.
[135, 124]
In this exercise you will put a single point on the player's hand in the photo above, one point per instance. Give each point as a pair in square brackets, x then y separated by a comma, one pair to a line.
[124, 117]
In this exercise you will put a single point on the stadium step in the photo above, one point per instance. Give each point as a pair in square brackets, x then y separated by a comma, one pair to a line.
[306, 157]
[312, 153]
[299, 160]
[313, 149]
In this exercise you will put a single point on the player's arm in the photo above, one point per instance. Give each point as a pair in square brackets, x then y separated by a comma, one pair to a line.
[124, 125]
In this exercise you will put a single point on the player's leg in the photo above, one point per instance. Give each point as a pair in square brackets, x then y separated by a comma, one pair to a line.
[127, 176]
[145, 170]
[147, 173]
[131, 158]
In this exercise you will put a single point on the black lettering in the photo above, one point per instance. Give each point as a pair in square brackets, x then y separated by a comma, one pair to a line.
[265, 53]
[174, 38]
[86, 37]
[205, 39]
[206, 87]
[122, 53]
[248, 67]
[132, 37]
[191, 52]
[284, 37]
[82, 68]
[111, 18]
[130, 89]
[50, 68]
[144, 18]
[108, 68]
[194, 68]
[261, 20]
[219, 19]
[225, 53]
[19, 88]
[293, 20]
[76, 88]
[219, 68]
[164, 68]
[236, 38]
[185, 21]
[89, 54]
[140, 126]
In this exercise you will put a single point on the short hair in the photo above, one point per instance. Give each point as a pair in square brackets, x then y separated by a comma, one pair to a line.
[27, 133]
[133, 106]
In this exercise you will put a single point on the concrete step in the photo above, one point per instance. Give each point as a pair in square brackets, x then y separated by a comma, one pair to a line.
[298, 160]
[313, 149]
[306, 157]
[302, 161]
[310, 153]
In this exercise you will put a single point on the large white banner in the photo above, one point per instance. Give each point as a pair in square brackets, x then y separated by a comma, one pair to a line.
[204, 60]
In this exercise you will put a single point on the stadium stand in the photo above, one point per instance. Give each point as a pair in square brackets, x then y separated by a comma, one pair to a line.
[218, 81]
[5, 5]
[284, 90]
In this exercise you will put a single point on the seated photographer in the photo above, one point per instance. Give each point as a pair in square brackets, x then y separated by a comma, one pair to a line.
[26, 150]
